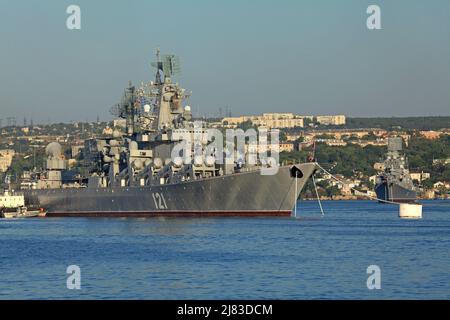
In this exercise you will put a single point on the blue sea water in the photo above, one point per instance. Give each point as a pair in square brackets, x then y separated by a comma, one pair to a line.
[312, 257]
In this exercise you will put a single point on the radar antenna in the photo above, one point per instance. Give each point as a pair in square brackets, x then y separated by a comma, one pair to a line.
[169, 64]
[158, 75]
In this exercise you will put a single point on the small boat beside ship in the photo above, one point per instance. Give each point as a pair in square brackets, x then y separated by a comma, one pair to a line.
[12, 205]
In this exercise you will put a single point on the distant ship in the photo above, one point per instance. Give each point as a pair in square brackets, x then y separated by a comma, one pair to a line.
[132, 172]
[395, 183]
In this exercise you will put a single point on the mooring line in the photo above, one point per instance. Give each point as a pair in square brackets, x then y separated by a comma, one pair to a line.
[295, 196]
[317, 194]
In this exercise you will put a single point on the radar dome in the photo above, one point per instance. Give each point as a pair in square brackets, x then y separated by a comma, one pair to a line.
[53, 150]
[187, 108]
[210, 161]
[138, 164]
[158, 163]
[198, 161]
[147, 108]
[178, 162]
[134, 145]
[114, 143]
[116, 134]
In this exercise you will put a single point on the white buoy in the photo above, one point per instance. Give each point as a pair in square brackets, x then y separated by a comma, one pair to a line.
[410, 211]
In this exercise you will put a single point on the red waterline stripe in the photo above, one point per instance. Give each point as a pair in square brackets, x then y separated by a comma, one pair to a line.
[173, 214]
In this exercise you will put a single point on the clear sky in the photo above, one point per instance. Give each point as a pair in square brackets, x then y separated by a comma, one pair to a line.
[307, 57]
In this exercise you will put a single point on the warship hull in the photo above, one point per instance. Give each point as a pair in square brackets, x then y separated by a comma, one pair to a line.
[240, 194]
[393, 192]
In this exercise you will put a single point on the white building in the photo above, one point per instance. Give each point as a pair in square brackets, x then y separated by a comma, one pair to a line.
[6, 157]
[268, 120]
[420, 176]
[336, 120]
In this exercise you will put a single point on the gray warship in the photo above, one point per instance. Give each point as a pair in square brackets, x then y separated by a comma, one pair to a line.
[395, 183]
[133, 174]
